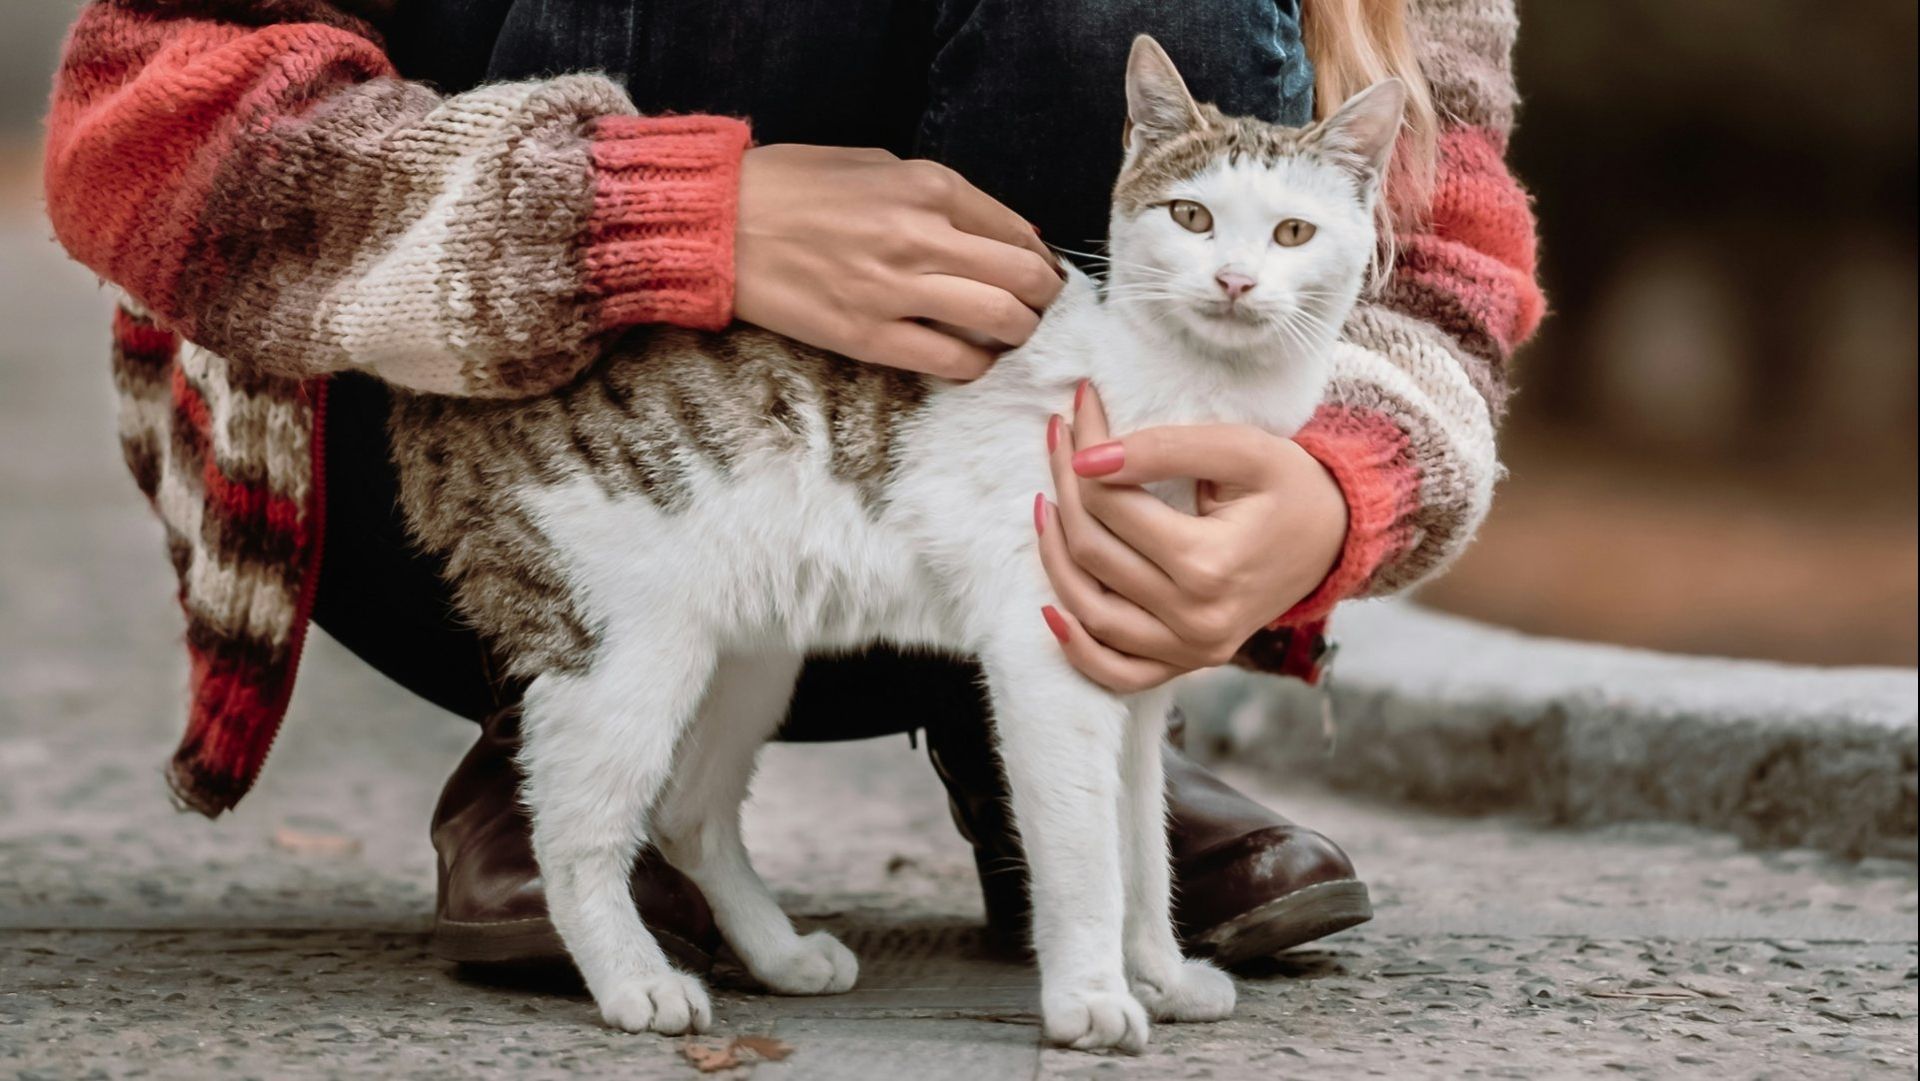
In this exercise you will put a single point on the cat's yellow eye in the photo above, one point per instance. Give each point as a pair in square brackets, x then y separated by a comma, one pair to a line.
[1192, 217]
[1292, 233]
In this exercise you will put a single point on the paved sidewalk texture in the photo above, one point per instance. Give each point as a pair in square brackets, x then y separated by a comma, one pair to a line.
[287, 940]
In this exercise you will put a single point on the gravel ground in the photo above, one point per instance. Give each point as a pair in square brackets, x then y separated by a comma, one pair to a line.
[287, 940]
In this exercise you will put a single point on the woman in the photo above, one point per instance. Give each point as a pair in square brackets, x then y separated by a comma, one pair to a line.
[308, 201]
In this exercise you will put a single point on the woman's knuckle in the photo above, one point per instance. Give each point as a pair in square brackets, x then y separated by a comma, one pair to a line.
[930, 179]
[1083, 551]
[1100, 500]
[1036, 276]
[1208, 628]
[900, 242]
[1203, 576]
[1012, 316]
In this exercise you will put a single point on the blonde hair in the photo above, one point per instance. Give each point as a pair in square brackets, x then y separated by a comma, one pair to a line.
[1354, 44]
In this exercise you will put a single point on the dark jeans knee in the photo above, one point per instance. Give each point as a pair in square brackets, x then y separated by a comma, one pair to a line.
[1244, 56]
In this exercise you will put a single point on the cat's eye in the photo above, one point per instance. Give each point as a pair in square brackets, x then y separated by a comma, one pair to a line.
[1292, 233]
[1192, 217]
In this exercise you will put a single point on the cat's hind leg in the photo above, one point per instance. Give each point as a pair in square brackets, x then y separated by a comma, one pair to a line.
[598, 747]
[697, 827]
[1171, 987]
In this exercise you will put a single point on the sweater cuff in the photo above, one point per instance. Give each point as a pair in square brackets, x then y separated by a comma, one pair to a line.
[659, 246]
[1368, 457]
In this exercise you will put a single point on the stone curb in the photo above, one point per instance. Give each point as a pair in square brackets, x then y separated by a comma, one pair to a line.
[1468, 717]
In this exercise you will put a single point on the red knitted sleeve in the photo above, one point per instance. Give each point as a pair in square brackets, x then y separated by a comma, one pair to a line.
[257, 177]
[1420, 379]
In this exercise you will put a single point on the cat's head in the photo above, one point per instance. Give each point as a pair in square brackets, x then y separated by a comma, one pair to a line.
[1249, 239]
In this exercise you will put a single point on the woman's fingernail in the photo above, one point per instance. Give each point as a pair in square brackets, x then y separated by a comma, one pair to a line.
[1056, 623]
[1080, 394]
[1040, 512]
[1101, 460]
[1035, 228]
[1053, 433]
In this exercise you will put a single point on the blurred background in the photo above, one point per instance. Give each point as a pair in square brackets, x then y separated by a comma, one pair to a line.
[1714, 445]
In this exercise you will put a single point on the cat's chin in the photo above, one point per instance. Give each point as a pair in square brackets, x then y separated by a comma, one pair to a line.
[1233, 337]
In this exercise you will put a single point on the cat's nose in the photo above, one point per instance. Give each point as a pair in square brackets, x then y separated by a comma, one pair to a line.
[1234, 284]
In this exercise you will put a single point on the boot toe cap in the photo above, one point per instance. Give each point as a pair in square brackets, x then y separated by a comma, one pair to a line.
[1266, 891]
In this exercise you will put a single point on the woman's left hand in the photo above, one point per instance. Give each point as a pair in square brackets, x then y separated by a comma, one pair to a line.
[1147, 592]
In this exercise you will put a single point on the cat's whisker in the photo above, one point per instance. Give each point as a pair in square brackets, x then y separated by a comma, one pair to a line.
[1082, 254]
[1113, 263]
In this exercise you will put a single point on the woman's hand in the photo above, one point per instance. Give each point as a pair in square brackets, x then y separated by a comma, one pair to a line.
[864, 254]
[1148, 593]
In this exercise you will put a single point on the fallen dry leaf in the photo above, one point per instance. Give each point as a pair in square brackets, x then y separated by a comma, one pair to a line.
[304, 843]
[710, 1057]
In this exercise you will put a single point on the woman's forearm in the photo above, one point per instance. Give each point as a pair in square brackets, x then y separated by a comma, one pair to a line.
[270, 190]
[1420, 379]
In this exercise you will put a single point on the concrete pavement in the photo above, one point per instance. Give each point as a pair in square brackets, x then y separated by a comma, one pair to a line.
[1465, 716]
[287, 940]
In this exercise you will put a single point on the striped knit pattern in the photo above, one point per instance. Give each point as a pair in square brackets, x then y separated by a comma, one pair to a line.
[276, 195]
[1420, 381]
[278, 205]
[231, 465]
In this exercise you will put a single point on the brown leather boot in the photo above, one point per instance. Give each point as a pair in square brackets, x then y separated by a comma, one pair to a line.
[1247, 882]
[491, 909]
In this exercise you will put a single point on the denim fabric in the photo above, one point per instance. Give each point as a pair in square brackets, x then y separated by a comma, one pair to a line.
[1022, 97]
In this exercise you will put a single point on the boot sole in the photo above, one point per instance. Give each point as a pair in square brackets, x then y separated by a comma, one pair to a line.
[533, 944]
[1302, 916]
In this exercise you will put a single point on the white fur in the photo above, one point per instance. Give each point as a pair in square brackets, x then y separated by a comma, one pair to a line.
[705, 613]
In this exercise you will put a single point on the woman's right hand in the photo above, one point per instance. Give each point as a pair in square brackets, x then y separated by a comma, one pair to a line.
[856, 251]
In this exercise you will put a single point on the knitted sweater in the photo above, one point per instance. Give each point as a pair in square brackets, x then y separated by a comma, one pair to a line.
[277, 205]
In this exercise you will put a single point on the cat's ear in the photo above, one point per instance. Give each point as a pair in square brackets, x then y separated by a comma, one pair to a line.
[1158, 104]
[1364, 130]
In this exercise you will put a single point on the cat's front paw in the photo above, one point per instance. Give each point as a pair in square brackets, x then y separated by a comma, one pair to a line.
[817, 964]
[1190, 991]
[1091, 1020]
[670, 1003]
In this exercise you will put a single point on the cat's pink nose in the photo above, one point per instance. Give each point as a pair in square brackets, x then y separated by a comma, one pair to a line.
[1234, 284]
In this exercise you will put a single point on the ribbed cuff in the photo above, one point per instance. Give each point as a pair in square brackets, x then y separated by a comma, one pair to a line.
[1367, 455]
[665, 199]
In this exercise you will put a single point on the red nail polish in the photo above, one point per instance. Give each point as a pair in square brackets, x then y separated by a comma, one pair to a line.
[1053, 433]
[1101, 460]
[1080, 394]
[1040, 513]
[1035, 228]
[1056, 623]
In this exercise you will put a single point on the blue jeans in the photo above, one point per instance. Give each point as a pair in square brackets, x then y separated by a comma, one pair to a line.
[1022, 97]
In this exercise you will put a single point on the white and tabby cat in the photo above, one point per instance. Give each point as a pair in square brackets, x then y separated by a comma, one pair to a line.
[657, 546]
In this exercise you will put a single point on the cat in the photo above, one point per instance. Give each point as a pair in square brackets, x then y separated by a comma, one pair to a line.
[656, 546]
